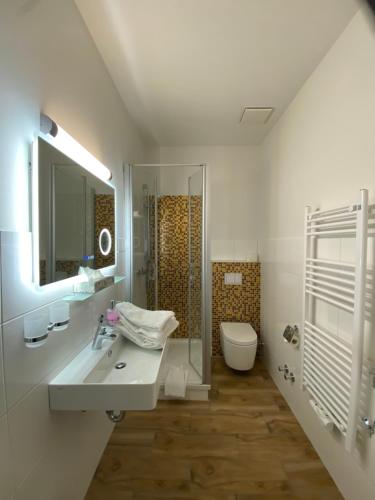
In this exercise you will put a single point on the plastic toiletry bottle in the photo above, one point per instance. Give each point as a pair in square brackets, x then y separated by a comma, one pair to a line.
[112, 315]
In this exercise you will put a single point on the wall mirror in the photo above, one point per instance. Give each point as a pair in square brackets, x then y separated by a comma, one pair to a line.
[76, 217]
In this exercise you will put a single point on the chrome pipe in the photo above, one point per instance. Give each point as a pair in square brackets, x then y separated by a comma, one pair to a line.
[115, 416]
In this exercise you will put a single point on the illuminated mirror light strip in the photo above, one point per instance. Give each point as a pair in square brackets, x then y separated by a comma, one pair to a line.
[35, 210]
[105, 234]
[72, 148]
[66, 144]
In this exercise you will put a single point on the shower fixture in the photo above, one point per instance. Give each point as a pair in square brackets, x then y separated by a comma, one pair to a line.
[368, 425]
[288, 372]
[291, 335]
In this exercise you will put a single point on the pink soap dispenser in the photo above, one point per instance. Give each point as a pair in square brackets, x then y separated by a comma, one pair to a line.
[112, 316]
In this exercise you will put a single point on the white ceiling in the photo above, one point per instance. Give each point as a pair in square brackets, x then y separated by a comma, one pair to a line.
[187, 68]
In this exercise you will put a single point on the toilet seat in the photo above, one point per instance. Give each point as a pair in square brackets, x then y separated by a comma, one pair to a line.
[241, 334]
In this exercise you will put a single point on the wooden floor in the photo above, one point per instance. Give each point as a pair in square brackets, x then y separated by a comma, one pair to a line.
[244, 444]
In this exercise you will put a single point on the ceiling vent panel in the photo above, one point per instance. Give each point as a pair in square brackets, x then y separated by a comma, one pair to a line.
[256, 117]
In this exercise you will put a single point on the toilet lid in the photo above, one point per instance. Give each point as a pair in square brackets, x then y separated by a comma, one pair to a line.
[239, 333]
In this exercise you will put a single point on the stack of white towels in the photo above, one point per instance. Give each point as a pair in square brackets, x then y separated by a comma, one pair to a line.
[148, 329]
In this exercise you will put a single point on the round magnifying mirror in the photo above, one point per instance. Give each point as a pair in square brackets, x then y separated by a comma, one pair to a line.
[105, 241]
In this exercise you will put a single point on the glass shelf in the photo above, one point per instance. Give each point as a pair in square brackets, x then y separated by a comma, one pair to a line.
[81, 297]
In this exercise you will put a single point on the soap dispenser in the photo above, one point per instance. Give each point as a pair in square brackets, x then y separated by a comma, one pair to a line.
[112, 316]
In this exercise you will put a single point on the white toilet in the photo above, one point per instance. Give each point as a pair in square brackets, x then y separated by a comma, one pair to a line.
[239, 345]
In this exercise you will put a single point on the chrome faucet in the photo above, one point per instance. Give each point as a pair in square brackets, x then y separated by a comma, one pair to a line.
[101, 334]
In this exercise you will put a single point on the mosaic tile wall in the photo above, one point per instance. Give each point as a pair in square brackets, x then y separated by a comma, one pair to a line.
[104, 218]
[234, 302]
[173, 259]
[70, 267]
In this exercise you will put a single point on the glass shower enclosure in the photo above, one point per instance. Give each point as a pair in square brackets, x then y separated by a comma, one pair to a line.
[167, 261]
[195, 281]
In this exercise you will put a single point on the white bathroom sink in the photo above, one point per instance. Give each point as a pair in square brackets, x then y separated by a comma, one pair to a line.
[91, 380]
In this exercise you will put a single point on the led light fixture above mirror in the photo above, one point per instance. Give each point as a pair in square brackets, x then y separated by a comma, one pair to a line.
[69, 146]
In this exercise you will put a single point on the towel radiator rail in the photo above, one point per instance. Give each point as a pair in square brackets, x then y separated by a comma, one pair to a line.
[332, 369]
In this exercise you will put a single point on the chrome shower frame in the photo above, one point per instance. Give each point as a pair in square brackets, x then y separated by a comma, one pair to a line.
[206, 333]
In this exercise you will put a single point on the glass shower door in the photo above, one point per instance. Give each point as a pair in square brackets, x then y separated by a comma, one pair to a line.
[144, 258]
[195, 227]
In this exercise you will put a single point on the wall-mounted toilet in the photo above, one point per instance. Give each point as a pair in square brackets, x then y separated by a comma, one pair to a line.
[239, 345]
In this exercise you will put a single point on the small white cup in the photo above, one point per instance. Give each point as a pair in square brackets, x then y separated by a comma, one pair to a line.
[35, 330]
[59, 316]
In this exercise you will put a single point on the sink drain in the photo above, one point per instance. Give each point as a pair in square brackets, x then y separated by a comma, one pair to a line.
[120, 365]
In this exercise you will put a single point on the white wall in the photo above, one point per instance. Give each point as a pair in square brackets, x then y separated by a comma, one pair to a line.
[174, 181]
[49, 62]
[320, 153]
[232, 190]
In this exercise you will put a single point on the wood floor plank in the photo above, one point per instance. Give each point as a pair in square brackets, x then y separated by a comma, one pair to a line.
[195, 445]
[260, 401]
[160, 420]
[243, 444]
[234, 473]
[228, 422]
[309, 480]
[282, 423]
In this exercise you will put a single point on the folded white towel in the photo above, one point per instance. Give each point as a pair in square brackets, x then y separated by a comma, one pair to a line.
[153, 334]
[147, 340]
[142, 318]
[175, 382]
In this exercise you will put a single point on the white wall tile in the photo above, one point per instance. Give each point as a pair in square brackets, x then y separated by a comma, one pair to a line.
[24, 368]
[345, 326]
[222, 250]
[326, 316]
[31, 428]
[328, 248]
[246, 250]
[369, 343]
[371, 253]
[19, 294]
[46, 480]
[347, 250]
[7, 465]
[289, 254]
